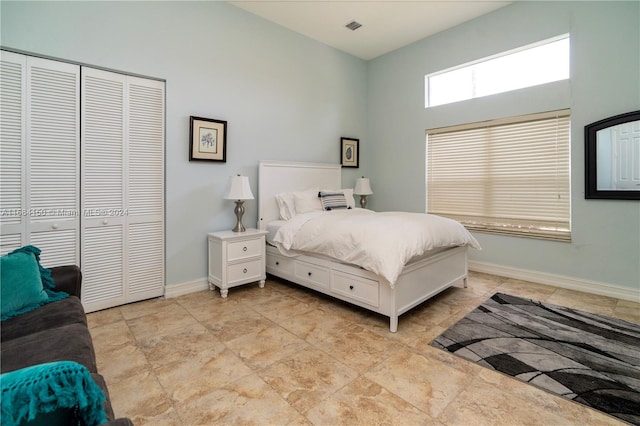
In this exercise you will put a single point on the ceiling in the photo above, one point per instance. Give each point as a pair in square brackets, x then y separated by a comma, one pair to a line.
[386, 25]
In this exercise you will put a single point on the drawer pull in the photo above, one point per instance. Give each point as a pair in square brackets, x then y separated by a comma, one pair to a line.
[244, 270]
[277, 263]
[244, 248]
[309, 273]
[350, 287]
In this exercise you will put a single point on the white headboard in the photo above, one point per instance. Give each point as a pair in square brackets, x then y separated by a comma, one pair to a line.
[275, 177]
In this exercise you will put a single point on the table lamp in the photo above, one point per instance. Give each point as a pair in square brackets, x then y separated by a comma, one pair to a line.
[239, 190]
[363, 188]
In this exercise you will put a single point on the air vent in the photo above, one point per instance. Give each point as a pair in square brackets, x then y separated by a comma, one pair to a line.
[353, 25]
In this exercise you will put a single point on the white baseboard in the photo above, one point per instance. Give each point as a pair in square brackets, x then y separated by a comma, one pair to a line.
[561, 281]
[555, 280]
[181, 289]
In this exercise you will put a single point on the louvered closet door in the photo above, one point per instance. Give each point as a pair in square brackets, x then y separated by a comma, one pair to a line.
[13, 77]
[123, 189]
[103, 189]
[145, 186]
[53, 141]
[39, 147]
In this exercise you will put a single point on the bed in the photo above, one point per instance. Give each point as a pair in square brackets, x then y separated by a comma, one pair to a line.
[418, 280]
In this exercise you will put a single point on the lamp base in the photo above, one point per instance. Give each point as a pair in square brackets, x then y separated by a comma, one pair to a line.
[363, 201]
[239, 211]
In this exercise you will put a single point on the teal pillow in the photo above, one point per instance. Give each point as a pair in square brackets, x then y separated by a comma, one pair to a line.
[20, 282]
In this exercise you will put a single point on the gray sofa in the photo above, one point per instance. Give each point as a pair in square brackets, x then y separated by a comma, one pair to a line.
[57, 331]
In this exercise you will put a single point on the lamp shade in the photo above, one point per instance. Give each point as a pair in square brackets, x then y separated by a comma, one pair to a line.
[239, 189]
[363, 186]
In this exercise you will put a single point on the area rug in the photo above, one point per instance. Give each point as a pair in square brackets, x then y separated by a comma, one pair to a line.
[587, 358]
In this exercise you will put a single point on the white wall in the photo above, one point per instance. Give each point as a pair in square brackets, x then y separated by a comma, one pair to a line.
[605, 81]
[285, 97]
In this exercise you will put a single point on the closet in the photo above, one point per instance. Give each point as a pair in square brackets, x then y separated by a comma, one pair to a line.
[82, 174]
[40, 157]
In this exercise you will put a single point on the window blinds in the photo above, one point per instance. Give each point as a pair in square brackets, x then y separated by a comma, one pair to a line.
[508, 176]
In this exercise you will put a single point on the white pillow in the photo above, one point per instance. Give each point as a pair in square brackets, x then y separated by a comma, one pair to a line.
[286, 205]
[307, 201]
[348, 195]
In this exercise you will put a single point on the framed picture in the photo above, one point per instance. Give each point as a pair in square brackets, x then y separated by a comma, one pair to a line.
[349, 152]
[207, 139]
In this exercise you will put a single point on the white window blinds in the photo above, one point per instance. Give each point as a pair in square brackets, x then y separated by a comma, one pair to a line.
[508, 176]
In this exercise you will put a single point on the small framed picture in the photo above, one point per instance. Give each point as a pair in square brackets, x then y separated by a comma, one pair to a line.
[207, 139]
[349, 152]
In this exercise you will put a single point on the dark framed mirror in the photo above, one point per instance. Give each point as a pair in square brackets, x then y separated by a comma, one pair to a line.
[612, 158]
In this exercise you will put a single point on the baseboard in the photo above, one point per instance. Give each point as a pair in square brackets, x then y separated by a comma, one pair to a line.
[181, 289]
[560, 281]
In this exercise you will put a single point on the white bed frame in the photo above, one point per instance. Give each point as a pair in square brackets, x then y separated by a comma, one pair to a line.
[419, 281]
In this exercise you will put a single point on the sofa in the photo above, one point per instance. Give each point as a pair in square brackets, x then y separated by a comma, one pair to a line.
[55, 331]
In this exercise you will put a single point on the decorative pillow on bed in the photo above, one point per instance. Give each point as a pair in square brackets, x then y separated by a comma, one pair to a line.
[348, 195]
[333, 200]
[307, 201]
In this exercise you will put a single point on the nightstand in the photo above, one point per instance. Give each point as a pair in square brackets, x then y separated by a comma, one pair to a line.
[236, 258]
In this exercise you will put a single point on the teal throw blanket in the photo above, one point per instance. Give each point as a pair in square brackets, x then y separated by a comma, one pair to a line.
[43, 388]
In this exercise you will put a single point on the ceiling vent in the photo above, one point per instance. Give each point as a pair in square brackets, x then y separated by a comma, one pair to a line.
[353, 25]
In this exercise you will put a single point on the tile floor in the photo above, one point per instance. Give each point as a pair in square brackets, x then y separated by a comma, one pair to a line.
[284, 355]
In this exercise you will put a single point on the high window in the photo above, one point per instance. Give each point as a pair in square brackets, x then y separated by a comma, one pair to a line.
[508, 176]
[527, 66]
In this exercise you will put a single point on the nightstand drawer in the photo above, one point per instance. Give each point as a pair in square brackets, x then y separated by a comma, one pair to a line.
[245, 271]
[244, 249]
[357, 288]
[280, 263]
[314, 274]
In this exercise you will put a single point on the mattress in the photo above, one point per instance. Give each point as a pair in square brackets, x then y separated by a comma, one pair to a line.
[272, 228]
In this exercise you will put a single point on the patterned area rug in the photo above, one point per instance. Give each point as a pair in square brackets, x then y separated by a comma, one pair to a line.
[587, 358]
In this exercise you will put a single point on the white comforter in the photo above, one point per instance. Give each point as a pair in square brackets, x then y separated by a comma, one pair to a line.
[382, 243]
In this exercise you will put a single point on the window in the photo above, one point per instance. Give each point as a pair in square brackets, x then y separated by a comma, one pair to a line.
[528, 66]
[509, 176]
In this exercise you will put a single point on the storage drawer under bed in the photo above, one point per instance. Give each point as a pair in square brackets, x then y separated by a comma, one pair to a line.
[357, 288]
[314, 274]
[280, 264]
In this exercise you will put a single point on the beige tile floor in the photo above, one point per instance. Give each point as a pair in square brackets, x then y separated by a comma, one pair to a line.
[284, 355]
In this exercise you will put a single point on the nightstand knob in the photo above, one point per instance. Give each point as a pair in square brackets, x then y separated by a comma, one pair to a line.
[350, 287]
[244, 270]
[244, 249]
